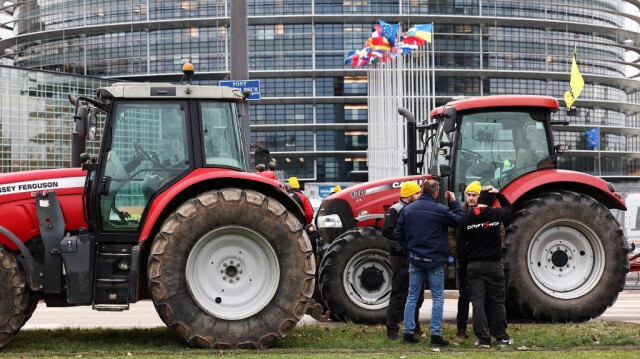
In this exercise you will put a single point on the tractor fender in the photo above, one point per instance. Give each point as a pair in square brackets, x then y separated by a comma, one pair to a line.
[26, 260]
[535, 183]
[205, 179]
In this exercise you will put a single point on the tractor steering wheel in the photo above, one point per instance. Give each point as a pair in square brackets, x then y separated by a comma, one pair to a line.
[139, 150]
[468, 153]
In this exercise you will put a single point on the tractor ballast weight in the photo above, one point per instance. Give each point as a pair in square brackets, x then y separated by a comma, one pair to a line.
[164, 211]
[565, 253]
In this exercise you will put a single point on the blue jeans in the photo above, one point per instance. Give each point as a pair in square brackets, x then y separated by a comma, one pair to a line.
[436, 286]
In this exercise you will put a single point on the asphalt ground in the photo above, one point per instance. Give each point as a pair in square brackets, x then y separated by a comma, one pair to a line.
[143, 314]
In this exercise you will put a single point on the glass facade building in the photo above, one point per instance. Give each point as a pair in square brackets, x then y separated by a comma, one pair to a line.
[313, 112]
[36, 117]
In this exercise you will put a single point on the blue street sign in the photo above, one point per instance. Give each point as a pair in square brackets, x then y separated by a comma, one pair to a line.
[253, 85]
[324, 191]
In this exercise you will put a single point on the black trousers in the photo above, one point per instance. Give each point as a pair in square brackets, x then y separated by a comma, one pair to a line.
[462, 317]
[399, 292]
[487, 279]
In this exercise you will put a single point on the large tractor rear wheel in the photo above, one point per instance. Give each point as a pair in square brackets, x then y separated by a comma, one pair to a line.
[231, 268]
[355, 276]
[566, 258]
[14, 297]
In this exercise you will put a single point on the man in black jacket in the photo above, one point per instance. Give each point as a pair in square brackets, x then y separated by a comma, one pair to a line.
[409, 193]
[479, 243]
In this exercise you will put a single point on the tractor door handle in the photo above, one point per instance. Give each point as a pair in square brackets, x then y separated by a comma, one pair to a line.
[105, 182]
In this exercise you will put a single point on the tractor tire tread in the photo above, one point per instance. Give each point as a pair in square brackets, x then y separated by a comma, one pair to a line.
[14, 303]
[331, 273]
[199, 328]
[524, 298]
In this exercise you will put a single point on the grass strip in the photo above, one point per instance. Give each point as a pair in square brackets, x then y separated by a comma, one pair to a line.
[595, 339]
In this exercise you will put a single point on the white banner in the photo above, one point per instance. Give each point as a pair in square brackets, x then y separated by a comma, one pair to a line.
[42, 185]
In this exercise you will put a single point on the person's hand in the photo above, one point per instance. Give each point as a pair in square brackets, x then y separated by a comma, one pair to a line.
[450, 196]
[491, 189]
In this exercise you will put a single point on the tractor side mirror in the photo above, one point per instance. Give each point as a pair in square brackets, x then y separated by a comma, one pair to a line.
[440, 171]
[81, 117]
[449, 116]
[561, 149]
[245, 94]
[93, 123]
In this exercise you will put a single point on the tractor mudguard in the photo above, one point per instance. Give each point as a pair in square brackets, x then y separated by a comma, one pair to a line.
[563, 180]
[26, 260]
[224, 177]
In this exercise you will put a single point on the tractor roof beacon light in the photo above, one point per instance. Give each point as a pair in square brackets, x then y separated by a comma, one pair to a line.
[188, 71]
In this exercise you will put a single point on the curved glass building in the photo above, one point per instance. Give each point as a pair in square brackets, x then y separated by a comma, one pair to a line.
[313, 112]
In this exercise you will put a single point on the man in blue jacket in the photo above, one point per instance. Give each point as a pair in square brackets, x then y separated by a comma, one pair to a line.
[422, 232]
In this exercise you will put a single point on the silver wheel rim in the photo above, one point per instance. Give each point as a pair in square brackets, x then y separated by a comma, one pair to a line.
[566, 259]
[368, 260]
[232, 272]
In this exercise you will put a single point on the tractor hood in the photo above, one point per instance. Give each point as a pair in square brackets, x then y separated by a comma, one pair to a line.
[361, 205]
[22, 185]
[18, 204]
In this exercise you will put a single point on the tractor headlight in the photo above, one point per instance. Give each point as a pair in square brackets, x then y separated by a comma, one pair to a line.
[330, 221]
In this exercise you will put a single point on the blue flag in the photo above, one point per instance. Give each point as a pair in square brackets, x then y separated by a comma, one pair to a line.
[593, 137]
[389, 31]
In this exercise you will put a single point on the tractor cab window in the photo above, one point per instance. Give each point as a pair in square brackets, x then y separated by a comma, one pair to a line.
[497, 147]
[148, 151]
[221, 137]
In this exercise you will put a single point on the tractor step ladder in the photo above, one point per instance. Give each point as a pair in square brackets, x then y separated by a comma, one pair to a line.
[113, 277]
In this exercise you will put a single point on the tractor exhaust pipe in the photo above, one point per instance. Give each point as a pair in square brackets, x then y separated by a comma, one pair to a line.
[412, 152]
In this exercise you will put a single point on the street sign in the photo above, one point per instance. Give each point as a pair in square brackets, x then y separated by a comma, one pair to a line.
[253, 85]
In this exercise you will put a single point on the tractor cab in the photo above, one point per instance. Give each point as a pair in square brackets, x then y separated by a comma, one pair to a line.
[155, 134]
[493, 140]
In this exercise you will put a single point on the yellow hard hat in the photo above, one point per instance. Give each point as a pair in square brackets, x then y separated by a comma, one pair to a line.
[474, 186]
[336, 189]
[294, 182]
[409, 188]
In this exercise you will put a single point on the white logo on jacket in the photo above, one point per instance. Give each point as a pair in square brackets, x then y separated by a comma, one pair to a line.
[484, 225]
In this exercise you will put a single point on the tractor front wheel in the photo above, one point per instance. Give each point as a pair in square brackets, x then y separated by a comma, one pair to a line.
[355, 276]
[231, 268]
[566, 258]
[14, 297]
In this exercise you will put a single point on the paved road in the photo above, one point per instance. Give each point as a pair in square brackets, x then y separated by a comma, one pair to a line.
[143, 314]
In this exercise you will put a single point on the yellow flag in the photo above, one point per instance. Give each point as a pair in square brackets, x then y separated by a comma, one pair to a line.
[576, 85]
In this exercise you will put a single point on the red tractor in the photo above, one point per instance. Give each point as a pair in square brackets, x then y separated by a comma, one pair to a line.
[164, 211]
[565, 253]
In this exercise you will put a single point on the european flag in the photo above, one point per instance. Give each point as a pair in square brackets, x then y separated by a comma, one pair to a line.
[593, 137]
[389, 31]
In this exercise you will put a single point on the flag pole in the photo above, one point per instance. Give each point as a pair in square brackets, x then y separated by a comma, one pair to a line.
[433, 65]
[599, 158]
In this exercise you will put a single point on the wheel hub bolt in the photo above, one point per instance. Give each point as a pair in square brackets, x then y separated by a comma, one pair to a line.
[553, 267]
[224, 278]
